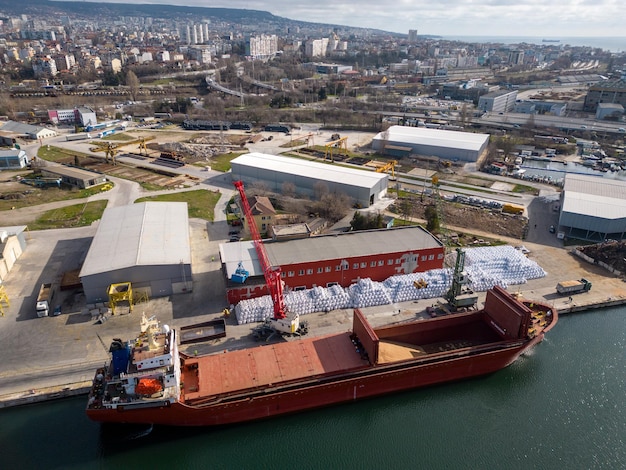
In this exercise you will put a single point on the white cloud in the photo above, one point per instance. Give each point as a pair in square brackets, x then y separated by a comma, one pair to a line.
[445, 17]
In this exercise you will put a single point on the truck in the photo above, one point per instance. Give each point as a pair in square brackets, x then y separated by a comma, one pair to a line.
[44, 299]
[513, 209]
[105, 133]
[573, 287]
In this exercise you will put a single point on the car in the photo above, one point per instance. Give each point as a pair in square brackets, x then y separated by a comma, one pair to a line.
[57, 311]
[583, 127]
[234, 232]
[234, 239]
[552, 229]
[621, 129]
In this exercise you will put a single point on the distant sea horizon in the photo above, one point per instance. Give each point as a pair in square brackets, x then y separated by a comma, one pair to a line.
[609, 43]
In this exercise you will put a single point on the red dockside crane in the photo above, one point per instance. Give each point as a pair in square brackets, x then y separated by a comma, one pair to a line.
[272, 273]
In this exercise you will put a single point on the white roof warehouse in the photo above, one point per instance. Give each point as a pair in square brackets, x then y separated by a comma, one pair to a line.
[450, 145]
[363, 186]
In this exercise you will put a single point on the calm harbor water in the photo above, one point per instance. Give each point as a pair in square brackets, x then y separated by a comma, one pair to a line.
[561, 406]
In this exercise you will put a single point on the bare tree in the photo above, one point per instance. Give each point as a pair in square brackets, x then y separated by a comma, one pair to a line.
[333, 206]
[289, 189]
[384, 140]
[132, 82]
[259, 188]
[320, 189]
[463, 114]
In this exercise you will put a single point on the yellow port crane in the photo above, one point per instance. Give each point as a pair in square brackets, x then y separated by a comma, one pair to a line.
[110, 150]
[341, 144]
[142, 146]
[109, 153]
[389, 166]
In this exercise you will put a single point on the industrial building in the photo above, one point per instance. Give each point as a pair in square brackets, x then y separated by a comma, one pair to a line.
[609, 111]
[327, 260]
[26, 131]
[593, 208]
[449, 145]
[363, 187]
[606, 91]
[501, 101]
[83, 116]
[540, 107]
[77, 177]
[13, 159]
[146, 244]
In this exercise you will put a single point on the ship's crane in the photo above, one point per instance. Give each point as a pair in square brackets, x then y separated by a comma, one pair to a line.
[460, 296]
[281, 322]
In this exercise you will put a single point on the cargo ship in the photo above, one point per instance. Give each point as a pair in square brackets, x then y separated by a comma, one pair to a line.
[149, 381]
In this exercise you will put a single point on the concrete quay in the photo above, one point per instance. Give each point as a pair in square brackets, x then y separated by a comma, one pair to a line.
[55, 357]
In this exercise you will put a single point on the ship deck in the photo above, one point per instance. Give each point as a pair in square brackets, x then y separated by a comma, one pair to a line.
[237, 371]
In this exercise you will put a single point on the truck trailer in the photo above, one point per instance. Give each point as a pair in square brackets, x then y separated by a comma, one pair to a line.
[80, 136]
[513, 209]
[44, 299]
[573, 287]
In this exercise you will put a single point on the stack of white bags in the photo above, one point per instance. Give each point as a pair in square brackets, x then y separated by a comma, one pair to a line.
[499, 265]
[485, 266]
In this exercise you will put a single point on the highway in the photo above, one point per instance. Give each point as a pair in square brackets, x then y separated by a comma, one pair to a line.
[567, 124]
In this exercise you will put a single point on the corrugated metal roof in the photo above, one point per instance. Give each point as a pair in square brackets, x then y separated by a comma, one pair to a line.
[22, 128]
[145, 234]
[309, 169]
[72, 172]
[327, 247]
[594, 196]
[12, 153]
[434, 137]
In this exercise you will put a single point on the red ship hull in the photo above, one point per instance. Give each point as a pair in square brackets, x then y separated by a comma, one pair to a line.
[371, 382]
[285, 378]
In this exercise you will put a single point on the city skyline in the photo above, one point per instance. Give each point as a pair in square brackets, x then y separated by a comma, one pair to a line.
[569, 18]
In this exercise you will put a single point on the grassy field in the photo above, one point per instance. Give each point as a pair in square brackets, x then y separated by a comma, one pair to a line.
[26, 196]
[55, 154]
[78, 215]
[200, 203]
[120, 137]
[222, 162]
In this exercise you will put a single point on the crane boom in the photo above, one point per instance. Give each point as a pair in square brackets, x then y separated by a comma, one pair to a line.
[272, 273]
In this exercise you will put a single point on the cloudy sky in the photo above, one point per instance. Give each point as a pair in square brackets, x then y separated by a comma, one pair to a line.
[542, 18]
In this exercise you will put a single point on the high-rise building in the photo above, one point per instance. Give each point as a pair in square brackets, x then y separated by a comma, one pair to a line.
[316, 47]
[412, 35]
[516, 57]
[263, 46]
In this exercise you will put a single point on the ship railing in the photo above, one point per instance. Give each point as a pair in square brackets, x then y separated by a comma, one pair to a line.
[156, 371]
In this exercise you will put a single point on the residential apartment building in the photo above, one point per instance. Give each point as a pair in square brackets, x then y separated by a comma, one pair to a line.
[262, 47]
